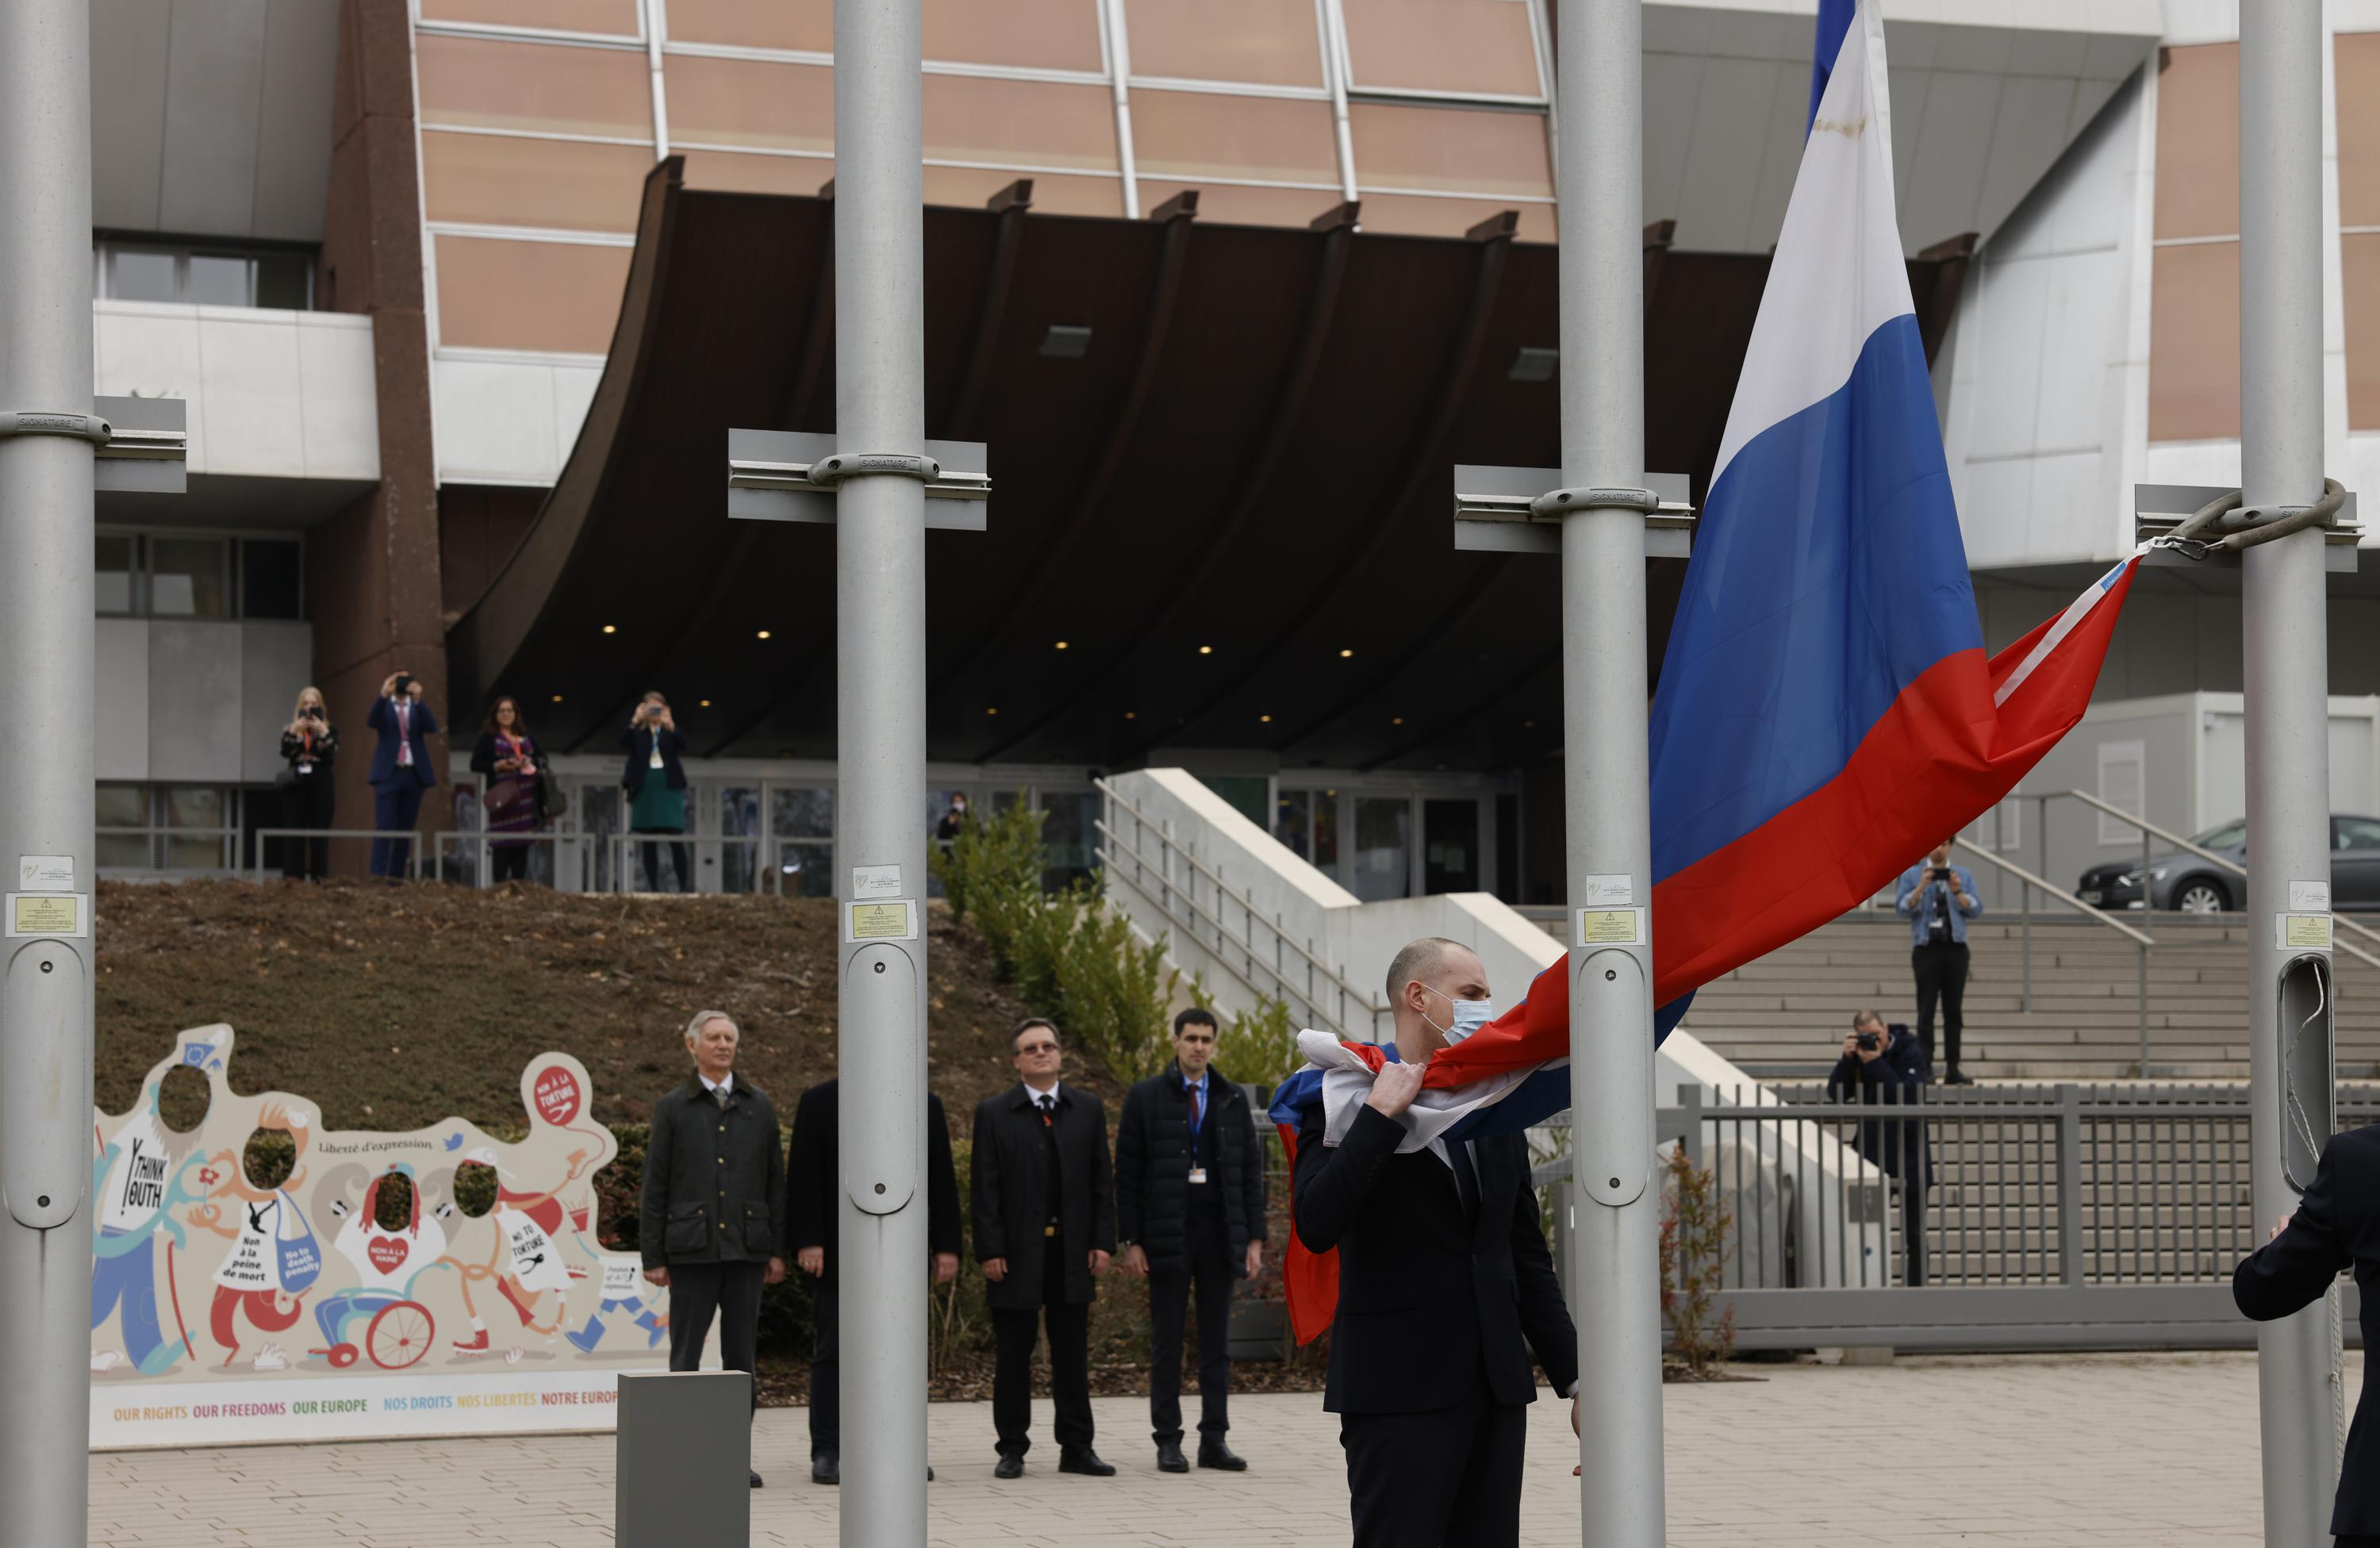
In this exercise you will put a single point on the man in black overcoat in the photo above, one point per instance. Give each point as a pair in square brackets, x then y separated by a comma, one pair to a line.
[714, 1198]
[1190, 1210]
[1044, 1230]
[1445, 1286]
[2335, 1230]
[813, 1206]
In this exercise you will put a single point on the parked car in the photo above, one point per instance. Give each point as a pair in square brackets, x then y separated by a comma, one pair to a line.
[2180, 882]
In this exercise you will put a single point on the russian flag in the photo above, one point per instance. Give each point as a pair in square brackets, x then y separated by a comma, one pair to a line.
[1826, 712]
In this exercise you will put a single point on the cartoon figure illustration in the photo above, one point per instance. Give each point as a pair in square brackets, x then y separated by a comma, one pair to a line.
[397, 1331]
[192, 1234]
[273, 1253]
[526, 1261]
[624, 1290]
[140, 1176]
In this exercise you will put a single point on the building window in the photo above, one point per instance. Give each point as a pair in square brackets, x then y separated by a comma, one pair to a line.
[277, 279]
[166, 827]
[189, 575]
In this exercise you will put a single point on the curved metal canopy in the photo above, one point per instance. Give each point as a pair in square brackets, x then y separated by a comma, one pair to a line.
[1232, 503]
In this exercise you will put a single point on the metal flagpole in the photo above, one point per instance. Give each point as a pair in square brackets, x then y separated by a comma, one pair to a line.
[1615, 1269]
[47, 641]
[2288, 716]
[880, 723]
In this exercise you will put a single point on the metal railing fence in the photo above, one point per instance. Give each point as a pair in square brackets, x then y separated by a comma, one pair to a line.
[1201, 908]
[2057, 1215]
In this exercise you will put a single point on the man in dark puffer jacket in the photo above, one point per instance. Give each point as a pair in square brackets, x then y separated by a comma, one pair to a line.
[1190, 1209]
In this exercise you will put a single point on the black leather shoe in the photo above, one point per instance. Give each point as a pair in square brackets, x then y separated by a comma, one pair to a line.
[1169, 1457]
[826, 1468]
[1215, 1454]
[1084, 1460]
[1010, 1467]
[755, 1480]
[1958, 1078]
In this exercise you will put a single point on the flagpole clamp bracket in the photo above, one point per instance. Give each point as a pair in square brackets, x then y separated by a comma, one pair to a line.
[2196, 524]
[1563, 502]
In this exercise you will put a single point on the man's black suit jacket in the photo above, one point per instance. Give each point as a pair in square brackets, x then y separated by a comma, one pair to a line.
[812, 1209]
[2337, 1228]
[1010, 1183]
[1430, 1301]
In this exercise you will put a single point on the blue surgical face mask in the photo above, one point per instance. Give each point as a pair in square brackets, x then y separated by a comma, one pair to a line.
[1469, 1016]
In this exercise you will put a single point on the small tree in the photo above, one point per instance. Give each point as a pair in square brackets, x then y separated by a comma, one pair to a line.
[1694, 1253]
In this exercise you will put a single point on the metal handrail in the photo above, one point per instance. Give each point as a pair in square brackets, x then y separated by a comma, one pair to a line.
[2099, 916]
[2232, 866]
[431, 844]
[1284, 987]
[619, 839]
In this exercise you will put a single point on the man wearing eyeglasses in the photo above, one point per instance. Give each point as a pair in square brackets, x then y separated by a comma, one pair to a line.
[1044, 1230]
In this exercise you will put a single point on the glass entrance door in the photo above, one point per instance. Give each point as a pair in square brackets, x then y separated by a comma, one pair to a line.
[1450, 856]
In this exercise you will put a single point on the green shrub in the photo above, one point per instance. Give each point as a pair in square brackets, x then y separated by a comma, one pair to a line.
[1262, 1045]
[1069, 958]
[1694, 1251]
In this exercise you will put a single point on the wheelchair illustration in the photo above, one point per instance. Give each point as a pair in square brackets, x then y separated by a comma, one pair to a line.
[396, 1332]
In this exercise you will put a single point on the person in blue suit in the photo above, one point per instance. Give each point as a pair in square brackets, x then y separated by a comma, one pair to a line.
[401, 770]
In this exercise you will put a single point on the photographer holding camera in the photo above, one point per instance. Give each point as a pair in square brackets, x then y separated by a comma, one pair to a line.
[401, 769]
[1937, 899]
[655, 781]
[309, 744]
[1887, 1066]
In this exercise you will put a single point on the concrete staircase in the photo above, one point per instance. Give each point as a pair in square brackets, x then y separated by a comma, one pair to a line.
[1785, 1014]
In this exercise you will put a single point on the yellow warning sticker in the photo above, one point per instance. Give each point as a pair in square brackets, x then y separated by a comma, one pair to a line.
[2303, 931]
[46, 914]
[881, 922]
[1610, 927]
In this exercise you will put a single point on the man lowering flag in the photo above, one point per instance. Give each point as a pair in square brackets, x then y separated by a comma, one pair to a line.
[1826, 710]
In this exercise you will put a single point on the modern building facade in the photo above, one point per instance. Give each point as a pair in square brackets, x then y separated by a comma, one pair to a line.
[464, 295]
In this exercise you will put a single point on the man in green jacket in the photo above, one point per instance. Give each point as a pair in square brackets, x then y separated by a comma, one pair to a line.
[714, 1202]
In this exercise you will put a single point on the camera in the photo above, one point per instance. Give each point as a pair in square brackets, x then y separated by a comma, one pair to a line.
[1869, 1043]
[404, 684]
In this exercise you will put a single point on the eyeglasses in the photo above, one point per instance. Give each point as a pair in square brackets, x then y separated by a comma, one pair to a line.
[1038, 1048]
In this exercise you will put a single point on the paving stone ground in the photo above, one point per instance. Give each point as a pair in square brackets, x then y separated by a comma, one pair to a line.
[2117, 1451]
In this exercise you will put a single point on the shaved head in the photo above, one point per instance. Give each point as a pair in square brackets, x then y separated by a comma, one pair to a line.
[1422, 959]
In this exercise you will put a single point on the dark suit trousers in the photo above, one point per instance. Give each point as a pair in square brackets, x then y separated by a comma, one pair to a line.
[1169, 1293]
[1941, 973]
[732, 1293]
[307, 804]
[1013, 1332]
[396, 806]
[1913, 1235]
[1447, 1478]
[826, 1372]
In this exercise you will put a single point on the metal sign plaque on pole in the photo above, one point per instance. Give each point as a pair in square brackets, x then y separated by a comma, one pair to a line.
[1598, 515]
[2285, 684]
[52, 435]
[881, 484]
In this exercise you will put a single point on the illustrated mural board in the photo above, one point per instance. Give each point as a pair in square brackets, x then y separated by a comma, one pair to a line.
[225, 1312]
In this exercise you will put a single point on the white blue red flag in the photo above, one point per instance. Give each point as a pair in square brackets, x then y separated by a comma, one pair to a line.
[1826, 712]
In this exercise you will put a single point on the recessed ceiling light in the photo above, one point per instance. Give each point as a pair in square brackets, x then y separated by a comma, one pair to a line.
[611, 629]
[1397, 720]
[1066, 341]
[1344, 654]
[1062, 644]
[1528, 726]
[705, 703]
[1267, 719]
[990, 711]
[1132, 714]
[762, 634]
[557, 699]
[1205, 650]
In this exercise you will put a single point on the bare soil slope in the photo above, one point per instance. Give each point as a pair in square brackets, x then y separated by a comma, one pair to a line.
[394, 1008]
